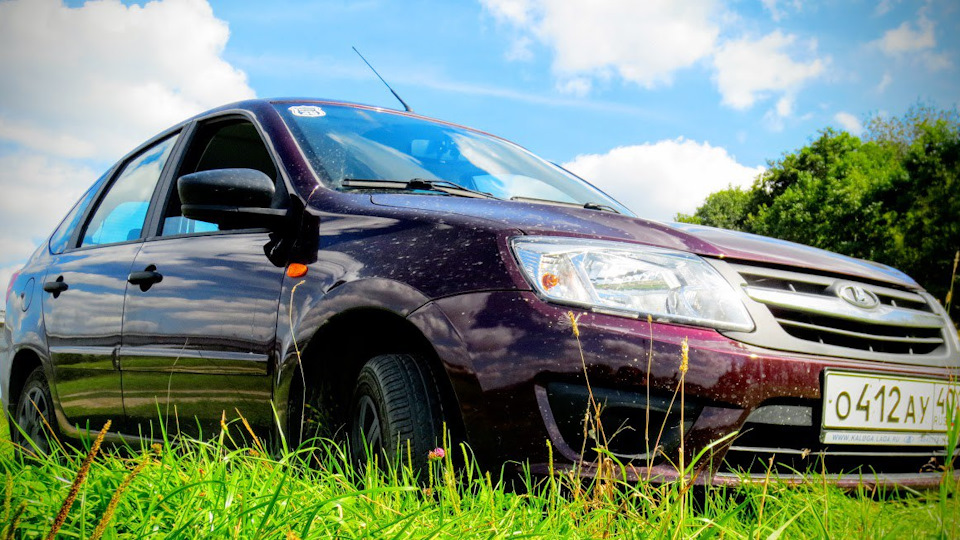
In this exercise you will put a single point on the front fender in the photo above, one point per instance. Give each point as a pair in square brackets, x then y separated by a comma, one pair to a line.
[455, 360]
[305, 307]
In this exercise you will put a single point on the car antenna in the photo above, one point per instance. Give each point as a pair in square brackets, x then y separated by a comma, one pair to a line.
[400, 99]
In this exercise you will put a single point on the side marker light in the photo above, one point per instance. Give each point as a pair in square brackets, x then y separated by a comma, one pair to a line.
[296, 270]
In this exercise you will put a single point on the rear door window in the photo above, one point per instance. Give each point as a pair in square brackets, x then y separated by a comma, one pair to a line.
[60, 239]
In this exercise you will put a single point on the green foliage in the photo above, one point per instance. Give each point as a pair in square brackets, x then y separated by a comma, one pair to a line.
[725, 208]
[921, 208]
[902, 131]
[892, 197]
[220, 489]
[820, 195]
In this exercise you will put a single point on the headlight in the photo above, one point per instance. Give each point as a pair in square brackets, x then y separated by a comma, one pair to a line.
[631, 280]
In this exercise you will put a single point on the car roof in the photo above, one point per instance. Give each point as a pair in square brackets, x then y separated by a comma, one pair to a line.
[253, 105]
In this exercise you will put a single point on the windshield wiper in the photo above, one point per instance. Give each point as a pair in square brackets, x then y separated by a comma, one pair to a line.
[421, 184]
[588, 205]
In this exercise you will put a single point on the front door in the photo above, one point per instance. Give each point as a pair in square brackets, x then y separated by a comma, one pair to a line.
[197, 345]
[199, 331]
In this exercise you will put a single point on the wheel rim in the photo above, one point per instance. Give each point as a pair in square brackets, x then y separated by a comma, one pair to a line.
[368, 420]
[32, 415]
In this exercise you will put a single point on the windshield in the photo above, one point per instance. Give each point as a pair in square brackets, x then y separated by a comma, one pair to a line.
[354, 143]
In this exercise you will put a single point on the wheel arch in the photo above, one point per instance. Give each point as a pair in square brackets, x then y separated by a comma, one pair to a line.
[24, 362]
[332, 358]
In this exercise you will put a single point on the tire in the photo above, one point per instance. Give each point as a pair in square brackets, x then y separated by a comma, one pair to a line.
[395, 404]
[34, 415]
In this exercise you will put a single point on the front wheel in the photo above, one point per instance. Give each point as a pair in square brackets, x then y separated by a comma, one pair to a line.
[34, 415]
[395, 407]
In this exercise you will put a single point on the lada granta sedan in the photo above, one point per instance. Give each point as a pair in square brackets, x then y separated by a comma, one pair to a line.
[401, 274]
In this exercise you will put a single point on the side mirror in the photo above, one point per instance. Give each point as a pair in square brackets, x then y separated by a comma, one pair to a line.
[231, 198]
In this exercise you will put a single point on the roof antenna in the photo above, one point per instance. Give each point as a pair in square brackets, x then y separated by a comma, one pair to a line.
[400, 99]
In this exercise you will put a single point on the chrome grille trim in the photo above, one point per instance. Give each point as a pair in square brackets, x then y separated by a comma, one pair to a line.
[804, 313]
[837, 308]
[824, 281]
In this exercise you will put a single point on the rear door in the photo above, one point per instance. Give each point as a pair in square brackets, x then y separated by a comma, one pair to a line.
[198, 338]
[85, 286]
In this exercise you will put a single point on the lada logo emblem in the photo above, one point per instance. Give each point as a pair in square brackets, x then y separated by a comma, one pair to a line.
[858, 296]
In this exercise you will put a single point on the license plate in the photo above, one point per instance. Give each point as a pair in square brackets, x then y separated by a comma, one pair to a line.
[861, 408]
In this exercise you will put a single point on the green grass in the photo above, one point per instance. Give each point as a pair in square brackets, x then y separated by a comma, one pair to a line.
[224, 489]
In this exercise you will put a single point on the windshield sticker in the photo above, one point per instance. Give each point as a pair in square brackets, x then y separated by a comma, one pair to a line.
[309, 111]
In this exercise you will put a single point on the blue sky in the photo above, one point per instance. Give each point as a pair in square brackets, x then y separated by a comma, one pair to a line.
[452, 60]
[657, 102]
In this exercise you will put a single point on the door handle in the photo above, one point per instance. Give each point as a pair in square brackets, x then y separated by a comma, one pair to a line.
[146, 278]
[55, 287]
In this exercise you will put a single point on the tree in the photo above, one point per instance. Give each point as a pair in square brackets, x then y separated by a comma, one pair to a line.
[902, 131]
[892, 197]
[725, 208]
[921, 208]
[820, 195]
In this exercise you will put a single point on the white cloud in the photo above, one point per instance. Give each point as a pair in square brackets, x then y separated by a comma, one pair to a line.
[914, 41]
[511, 11]
[778, 8]
[908, 37]
[848, 122]
[578, 86]
[884, 7]
[785, 106]
[43, 139]
[660, 179]
[936, 61]
[750, 70]
[776, 117]
[37, 193]
[520, 50]
[641, 42]
[884, 82]
[91, 83]
[96, 80]
[647, 42]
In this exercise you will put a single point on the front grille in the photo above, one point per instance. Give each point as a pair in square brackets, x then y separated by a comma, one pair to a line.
[857, 334]
[811, 308]
[788, 449]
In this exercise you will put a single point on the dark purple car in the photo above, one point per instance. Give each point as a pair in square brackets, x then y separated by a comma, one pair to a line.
[400, 274]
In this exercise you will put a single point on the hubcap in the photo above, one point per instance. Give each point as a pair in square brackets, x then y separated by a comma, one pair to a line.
[32, 414]
[368, 419]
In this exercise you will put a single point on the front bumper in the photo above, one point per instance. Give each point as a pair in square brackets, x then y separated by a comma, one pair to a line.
[880, 481]
[516, 367]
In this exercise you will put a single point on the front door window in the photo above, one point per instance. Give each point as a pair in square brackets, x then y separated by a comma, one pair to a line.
[123, 210]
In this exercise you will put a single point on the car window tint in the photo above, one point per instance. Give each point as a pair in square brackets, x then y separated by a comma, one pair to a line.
[60, 239]
[230, 144]
[123, 209]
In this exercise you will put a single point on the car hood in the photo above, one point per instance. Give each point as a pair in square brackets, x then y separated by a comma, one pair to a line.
[532, 218]
[763, 249]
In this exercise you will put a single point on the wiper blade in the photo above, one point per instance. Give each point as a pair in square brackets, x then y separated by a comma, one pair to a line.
[588, 205]
[600, 207]
[422, 184]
